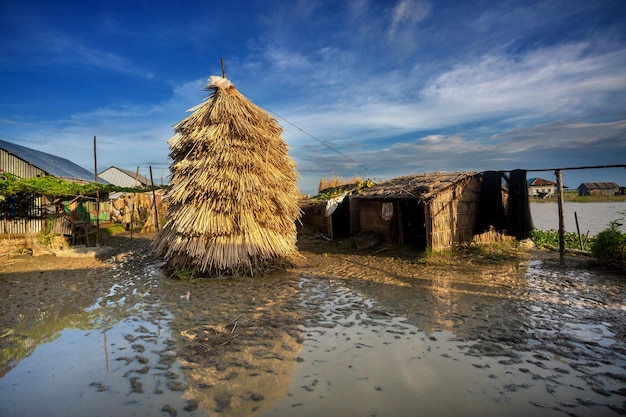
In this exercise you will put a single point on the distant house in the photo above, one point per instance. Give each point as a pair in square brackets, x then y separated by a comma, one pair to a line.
[124, 178]
[542, 188]
[25, 214]
[598, 188]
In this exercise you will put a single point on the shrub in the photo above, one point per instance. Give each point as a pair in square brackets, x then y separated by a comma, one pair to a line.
[610, 243]
[46, 235]
[546, 238]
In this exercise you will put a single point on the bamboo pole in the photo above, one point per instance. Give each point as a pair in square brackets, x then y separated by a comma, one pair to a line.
[134, 202]
[580, 239]
[559, 186]
[95, 169]
[156, 212]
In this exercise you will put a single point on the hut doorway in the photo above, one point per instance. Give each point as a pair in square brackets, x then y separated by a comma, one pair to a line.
[340, 220]
[413, 223]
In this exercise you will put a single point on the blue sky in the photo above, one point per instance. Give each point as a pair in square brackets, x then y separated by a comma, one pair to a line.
[398, 87]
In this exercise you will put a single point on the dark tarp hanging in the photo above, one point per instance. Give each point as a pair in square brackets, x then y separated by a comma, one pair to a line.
[519, 219]
[491, 207]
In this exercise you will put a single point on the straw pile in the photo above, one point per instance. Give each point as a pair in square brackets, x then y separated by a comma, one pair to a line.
[233, 196]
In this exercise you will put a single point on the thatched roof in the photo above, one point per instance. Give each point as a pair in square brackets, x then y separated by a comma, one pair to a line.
[421, 187]
[233, 196]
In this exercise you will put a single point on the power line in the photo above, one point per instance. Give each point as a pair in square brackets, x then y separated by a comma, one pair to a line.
[326, 144]
[585, 167]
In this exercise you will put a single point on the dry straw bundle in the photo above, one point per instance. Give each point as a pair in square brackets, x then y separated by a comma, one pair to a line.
[233, 196]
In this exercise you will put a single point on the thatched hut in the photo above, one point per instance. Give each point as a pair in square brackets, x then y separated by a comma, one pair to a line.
[429, 210]
[328, 213]
[442, 210]
[233, 195]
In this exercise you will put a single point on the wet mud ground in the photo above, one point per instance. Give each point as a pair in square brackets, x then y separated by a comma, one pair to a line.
[344, 333]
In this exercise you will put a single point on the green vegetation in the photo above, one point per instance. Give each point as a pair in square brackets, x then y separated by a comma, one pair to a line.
[47, 234]
[550, 238]
[114, 229]
[52, 186]
[332, 192]
[573, 197]
[610, 244]
[184, 274]
[507, 249]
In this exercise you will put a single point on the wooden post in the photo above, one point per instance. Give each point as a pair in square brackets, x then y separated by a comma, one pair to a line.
[134, 203]
[156, 212]
[223, 68]
[580, 239]
[95, 168]
[429, 231]
[330, 227]
[559, 186]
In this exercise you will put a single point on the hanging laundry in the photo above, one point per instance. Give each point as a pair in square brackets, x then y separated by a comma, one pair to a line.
[387, 211]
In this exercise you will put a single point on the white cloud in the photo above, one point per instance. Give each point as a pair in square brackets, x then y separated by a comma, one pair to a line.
[406, 14]
[127, 135]
[545, 84]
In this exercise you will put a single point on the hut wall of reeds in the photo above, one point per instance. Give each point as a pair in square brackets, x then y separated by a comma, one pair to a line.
[430, 210]
[313, 218]
[233, 195]
[451, 213]
[330, 217]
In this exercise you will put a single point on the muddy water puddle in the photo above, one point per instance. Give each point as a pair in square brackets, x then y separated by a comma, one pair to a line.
[106, 352]
[340, 336]
[362, 355]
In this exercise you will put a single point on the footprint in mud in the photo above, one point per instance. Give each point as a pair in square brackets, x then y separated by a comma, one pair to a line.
[169, 409]
[136, 385]
[192, 405]
[222, 402]
[99, 386]
[170, 375]
[157, 388]
[310, 387]
[124, 358]
[176, 386]
[143, 370]
[142, 329]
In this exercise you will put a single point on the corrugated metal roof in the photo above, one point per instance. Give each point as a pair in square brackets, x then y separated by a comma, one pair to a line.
[422, 186]
[123, 177]
[50, 164]
[599, 185]
[539, 182]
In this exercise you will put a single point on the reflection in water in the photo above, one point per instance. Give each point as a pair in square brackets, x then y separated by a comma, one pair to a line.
[504, 340]
[90, 355]
[245, 381]
[240, 342]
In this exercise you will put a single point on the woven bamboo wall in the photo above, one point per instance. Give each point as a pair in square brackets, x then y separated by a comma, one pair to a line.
[313, 219]
[451, 214]
[370, 219]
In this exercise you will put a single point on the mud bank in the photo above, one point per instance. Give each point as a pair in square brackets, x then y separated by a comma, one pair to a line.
[113, 336]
